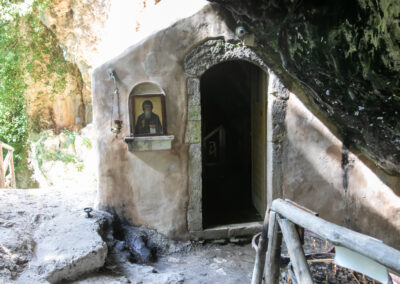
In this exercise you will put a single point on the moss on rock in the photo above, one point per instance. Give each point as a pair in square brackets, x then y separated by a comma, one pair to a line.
[347, 55]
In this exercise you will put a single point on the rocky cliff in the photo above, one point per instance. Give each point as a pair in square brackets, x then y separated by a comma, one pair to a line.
[86, 33]
[59, 93]
[346, 55]
[78, 27]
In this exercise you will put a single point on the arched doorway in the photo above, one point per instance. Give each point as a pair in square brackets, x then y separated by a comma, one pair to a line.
[233, 143]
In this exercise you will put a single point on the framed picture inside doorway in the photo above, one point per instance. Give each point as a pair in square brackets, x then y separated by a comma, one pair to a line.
[148, 115]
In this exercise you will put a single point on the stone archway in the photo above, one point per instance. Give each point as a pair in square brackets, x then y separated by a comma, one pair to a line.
[197, 61]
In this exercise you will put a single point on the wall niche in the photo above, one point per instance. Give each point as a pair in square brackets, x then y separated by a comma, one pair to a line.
[148, 119]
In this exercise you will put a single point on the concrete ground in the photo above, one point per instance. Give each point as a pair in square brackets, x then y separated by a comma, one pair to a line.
[209, 263]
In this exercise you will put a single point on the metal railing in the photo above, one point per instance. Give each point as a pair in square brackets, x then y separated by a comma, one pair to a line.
[7, 180]
[287, 214]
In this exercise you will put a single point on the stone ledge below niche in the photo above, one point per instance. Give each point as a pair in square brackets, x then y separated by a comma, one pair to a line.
[149, 143]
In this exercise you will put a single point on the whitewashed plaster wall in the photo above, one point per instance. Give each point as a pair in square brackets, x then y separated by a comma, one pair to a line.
[151, 188]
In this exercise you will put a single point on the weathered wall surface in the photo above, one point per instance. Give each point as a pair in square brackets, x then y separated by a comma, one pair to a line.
[321, 174]
[150, 188]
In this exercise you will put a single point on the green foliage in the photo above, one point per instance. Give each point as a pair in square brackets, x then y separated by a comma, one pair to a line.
[13, 121]
[26, 47]
[86, 141]
[58, 148]
[70, 137]
[44, 58]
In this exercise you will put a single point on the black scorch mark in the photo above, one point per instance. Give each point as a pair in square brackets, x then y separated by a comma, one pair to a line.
[345, 167]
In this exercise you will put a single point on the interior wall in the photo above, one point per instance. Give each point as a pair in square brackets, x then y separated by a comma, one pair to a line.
[321, 174]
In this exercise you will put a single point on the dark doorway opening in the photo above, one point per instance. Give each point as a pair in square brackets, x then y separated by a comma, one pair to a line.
[226, 111]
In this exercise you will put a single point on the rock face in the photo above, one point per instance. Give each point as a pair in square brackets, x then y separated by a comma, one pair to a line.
[45, 236]
[346, 55]
[66, 252]
[86, 32]
[78, 26]
[57, 107]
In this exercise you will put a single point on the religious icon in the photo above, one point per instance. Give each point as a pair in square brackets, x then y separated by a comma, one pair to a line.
[148, 114]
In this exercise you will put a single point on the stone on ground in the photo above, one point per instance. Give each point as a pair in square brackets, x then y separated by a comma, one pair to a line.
[67, 247]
